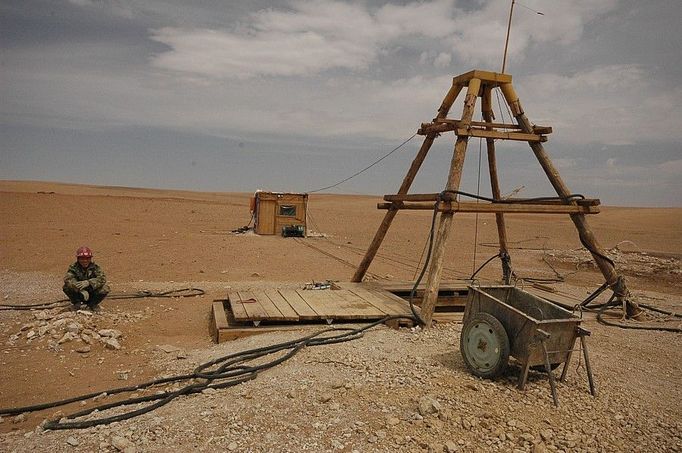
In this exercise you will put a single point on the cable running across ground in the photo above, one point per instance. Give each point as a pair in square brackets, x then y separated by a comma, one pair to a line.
[223, 372]
[182, 292]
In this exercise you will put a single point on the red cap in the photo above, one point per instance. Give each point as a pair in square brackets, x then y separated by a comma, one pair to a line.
[84, 252]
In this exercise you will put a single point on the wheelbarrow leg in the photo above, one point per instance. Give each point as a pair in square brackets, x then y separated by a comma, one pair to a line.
[566, 363]
[548, 367]
[523, 377]
[583, 344]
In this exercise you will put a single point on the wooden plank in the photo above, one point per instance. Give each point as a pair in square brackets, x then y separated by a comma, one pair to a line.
[303, 310]
[219, 317]
[238, 310]
[524, 208]
[270, 308]
[288, 313]
[357, 306]
[324, 304]
[500, 135]
[253, 307]
[218, 320]
[412, 197]
[448, 317]
[488, 77]
[382, 302]
[401, 286]
[430, 128]
[477, 124]
[266, 217]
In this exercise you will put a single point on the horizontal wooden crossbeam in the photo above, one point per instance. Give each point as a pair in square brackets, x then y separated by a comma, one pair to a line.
[454, 206]
[540, 130]
[486, 77]
[453, 197]
[430, 128]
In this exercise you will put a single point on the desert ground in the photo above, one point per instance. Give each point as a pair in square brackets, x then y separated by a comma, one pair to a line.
[391, 390]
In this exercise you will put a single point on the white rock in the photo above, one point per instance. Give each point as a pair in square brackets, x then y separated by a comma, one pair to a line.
[110, 333]
[428, 406]
[42, 315]
[120, 443]
[167, 348]
[73, 327]
[72, 441]
[68, 336]
[111, 343]
[451, 447]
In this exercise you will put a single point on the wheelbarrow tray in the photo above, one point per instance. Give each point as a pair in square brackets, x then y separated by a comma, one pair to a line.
[527, 319]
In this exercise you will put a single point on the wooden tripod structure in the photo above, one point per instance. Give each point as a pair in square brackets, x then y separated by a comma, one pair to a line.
[480, 84]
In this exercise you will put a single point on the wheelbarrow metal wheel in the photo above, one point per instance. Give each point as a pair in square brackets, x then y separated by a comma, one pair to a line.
[484, 345]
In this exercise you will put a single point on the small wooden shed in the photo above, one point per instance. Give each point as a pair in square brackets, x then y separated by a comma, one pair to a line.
[273, 211]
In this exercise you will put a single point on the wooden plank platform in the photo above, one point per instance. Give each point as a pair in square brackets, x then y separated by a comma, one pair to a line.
[246, 313]
[253, 312]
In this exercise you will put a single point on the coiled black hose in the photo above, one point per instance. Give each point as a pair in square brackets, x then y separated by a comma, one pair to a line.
[233, 369]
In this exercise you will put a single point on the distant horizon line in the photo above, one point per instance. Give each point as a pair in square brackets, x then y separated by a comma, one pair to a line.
[174, 189]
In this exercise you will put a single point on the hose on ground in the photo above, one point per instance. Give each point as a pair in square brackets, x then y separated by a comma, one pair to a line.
[182, 292]
[222, 372]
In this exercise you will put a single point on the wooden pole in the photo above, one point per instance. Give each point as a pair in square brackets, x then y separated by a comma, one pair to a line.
[506, 41]
[443, 110]
[614, 280]
[444, 226]
[488, 116]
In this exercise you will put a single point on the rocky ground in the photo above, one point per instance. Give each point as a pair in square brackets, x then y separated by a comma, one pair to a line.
[390, 390]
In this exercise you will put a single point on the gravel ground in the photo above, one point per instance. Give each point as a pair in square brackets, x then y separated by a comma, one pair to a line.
[399, 390]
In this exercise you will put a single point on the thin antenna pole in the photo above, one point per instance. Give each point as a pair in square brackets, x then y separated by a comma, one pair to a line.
[506, 41]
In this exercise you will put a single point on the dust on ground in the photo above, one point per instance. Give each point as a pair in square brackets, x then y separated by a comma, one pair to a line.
[391, 390]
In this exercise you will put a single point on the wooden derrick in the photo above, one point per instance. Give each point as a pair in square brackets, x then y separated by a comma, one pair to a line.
[480, 84]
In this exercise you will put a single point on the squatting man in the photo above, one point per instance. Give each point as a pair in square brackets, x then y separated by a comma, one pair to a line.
[85, 282]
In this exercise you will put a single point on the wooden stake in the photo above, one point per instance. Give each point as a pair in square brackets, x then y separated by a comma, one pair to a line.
[444, 226]
[488, 116]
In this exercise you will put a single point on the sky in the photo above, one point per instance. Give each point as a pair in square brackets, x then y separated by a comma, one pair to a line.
[235, 96]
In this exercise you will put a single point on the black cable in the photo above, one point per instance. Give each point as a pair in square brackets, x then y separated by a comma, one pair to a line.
[499, 255]
[182, 292]
[603, 321]
[516, 200]
[426, 262]
[600, 309]
[233, 369]
[366, 168]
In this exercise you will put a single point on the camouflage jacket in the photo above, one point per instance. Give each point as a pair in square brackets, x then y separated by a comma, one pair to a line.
[94, 274]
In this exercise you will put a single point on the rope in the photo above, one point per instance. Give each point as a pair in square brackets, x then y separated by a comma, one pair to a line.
[366, 168]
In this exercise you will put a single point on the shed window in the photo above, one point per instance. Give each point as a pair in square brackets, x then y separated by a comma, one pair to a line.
[287, 210]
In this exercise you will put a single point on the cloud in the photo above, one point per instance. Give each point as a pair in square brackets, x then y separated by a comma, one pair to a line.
[480, 34]
[442, 60]
[611, 104]
[309, 38]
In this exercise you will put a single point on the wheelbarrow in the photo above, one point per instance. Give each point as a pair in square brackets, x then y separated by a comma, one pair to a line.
[503, 321]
